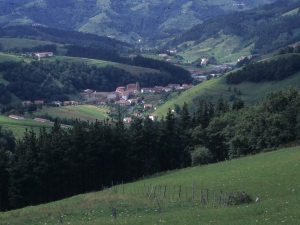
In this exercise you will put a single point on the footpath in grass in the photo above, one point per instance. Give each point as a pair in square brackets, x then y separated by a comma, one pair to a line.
[273, 177]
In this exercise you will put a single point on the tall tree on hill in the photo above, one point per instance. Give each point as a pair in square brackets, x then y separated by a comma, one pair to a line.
[4, 179]
[185, 134]
[24, 172]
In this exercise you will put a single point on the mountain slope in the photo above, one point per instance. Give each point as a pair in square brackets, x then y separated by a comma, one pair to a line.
[256, 31]
[126, 20]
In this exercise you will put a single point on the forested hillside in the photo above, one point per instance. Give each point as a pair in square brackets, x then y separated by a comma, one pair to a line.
[269, 70]
[53, 165]
[37, 80]
[268, 28]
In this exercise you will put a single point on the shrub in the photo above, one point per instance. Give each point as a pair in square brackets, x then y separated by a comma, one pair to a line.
[201, 155]
[241, 198]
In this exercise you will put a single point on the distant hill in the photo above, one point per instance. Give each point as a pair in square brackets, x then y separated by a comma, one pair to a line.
[256, 31]
[124, 20]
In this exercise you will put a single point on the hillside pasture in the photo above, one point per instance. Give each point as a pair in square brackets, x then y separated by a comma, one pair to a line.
[101, 63]
[271, 177]
[213, 89]
[7, 57]
[18, 127]
[82, 112]
[19, 43]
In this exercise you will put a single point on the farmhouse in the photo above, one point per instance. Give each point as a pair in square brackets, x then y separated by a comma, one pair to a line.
[39, 102]
[176, 86]
[153, 117]
[26, 103]
[16, 117]
[127, 119]
[43, 54]
[147, 106]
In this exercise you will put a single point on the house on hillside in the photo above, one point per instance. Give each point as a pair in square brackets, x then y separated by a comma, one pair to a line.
[204, 61]
[153, 117]
[58, 103]
[16, 117]
[133, 88]
[127, 119]
[27, 103]
[39, 102]
[125, 95]
[148, 106]
[175, 86]
[43, 54]
[113, 95]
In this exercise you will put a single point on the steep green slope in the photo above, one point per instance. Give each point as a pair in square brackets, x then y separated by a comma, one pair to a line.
[213, 89]
[268, 176]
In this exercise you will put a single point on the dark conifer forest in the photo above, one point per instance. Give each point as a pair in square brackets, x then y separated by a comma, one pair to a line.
[47, 166]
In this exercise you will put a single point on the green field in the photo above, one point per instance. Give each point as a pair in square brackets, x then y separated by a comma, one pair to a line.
[82, 112]
[101, 63]
[215, 88]
[272, 177]
[18, 127]
[8, 57]
[11, 43]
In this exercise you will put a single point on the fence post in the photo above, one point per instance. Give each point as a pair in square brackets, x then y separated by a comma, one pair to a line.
[179, 191]
[173, 191]
[165, 191]
[206, 195]
[158, 205]
[193, 191]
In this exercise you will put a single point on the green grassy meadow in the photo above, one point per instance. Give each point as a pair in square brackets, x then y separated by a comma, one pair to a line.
[215, 88]
[82, 112]
[272, 177]
[11, 43]
[18, 127]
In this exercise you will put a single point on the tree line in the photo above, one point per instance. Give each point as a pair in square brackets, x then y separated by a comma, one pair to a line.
[273, 70]
[62, 162]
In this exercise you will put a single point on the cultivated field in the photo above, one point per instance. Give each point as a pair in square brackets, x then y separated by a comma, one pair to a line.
[272, 177]
[82, 112]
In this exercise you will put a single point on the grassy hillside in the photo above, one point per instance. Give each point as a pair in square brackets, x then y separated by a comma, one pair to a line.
[268, 176]
[18, 127]
[82, 112]
[19, 43]
[214, 88]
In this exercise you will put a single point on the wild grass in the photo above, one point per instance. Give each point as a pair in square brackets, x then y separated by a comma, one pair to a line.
[272, 176]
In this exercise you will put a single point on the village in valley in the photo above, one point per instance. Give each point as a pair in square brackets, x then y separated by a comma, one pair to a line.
[132, 96]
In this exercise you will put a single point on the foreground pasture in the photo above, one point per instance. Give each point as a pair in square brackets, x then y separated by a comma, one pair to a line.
[273, 177]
